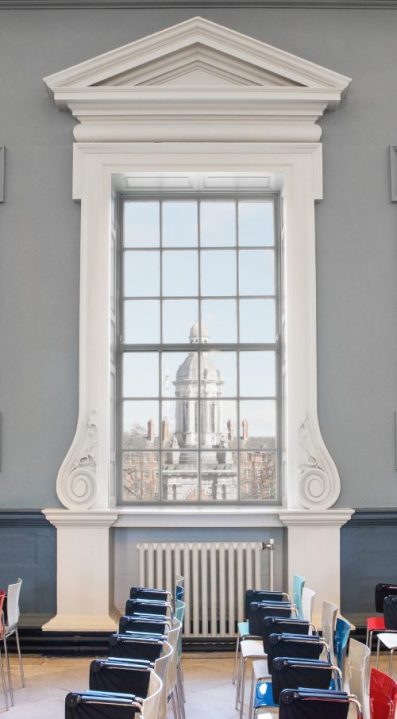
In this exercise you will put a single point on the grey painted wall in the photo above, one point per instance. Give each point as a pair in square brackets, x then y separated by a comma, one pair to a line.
[356, 236]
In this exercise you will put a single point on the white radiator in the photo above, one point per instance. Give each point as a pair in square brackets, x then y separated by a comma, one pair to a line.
[217, 574]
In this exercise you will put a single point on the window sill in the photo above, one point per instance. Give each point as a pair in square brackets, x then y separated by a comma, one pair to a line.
[195, 516]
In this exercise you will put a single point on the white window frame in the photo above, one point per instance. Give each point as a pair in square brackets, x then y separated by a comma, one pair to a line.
[257, 113]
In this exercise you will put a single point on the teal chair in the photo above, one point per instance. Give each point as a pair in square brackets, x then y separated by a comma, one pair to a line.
[341, 640]
[298, 583]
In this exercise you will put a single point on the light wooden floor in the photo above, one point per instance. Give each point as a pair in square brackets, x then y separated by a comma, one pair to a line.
[210, 693]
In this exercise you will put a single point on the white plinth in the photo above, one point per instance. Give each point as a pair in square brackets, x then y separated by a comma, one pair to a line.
[314, 551]
[84, 601]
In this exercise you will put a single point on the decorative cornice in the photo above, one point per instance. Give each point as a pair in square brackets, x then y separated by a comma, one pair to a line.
[327, 518]
[190, 4]
[373, 517]
[91, 518]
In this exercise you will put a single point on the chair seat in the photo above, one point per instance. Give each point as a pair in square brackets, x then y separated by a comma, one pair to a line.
[244, 632]
[264, 695]
[252, 648]
[260, 669]
[389, 639]
[375, 624]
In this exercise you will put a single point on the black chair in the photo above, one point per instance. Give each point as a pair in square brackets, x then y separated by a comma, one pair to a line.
[280, 625]
[290, 673]
[96, 705]
[382, 591]
[130, 676]
[296, 646]
[136, 646]
[312, 704]
[150, 593]
[263, 595]
[138, 623]
[147, 606]
[259, 610]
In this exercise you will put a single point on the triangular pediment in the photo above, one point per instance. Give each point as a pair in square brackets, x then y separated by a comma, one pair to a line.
[196, 54]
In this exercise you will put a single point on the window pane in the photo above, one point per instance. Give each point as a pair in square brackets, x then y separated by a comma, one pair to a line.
[256, 275]
[179, 316]
[140, 374]
[219, 322]
[258, 475]
[218, 422]
[256, 223]
[140, 477]
[179, 224]
[258, 424]
[180, 482]
[141, 321]
[179, 426]
[180, 273]
[140, 424]
[219, 476]
[141, 224]
[218, 368]
[257, 321]
[180, 374]
[218, 272]
[142, 274]
[217, 223]
[257, 374]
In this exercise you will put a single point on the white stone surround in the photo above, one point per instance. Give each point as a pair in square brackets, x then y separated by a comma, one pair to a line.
[194, 98]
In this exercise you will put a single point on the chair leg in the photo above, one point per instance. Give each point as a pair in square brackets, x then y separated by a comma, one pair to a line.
[179, 673]
[242, 688]
[3, 680]
[251, 704]
[8, 670]
[20, 657]
[377, 653]
[367, 637]
[175, 710]
[391, 661]
[181, 705]
[234, 678]
[238, 681]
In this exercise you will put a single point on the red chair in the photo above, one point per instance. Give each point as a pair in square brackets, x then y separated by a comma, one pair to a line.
[382, 695]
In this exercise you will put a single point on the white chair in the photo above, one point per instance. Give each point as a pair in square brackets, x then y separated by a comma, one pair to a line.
[150, 705]
[358, 674]
[11, 627]
[173, 696]
[328, 623]
[161, 667]
[308, 597]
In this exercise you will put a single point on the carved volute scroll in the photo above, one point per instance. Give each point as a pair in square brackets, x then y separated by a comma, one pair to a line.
[319, 483]
[77, 479]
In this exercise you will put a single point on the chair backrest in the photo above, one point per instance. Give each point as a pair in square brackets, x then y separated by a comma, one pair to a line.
[382, 591]
[293, 673]
[150, 593]
[299, 646]
[180, 615]
[298, 583]
[13, 593]
[341, 638]
[258, 611]
[390, 611]
[358, 670]
[382, 695]
[262, 595]
[312, 704]
[308, 597]
[172, 638]
[161, 668]
[179, 587]
[150, 705]
[277, 625]
[328, 622]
